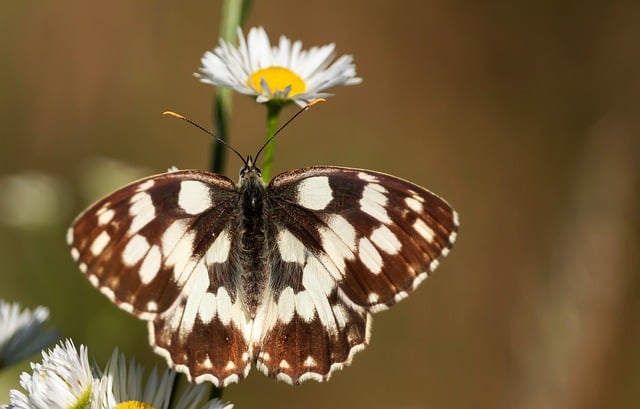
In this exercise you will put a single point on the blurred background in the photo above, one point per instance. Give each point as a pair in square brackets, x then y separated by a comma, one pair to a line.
[523, 115]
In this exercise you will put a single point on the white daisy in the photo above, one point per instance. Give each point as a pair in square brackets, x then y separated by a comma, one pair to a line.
[22, 333]
[62, 381]
[121, 387]
[283, 73]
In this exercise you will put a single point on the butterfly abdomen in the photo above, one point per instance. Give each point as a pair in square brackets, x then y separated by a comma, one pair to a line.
[253, 276]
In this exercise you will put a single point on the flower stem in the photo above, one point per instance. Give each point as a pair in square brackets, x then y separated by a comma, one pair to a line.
[233, 14]
[273, 112]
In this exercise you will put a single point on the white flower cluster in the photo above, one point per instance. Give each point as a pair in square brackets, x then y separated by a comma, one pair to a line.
[65, 380]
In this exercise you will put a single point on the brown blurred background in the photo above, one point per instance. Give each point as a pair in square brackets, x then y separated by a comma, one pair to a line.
[524, 115]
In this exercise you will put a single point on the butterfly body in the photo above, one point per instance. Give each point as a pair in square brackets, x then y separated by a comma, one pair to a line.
[283, 276]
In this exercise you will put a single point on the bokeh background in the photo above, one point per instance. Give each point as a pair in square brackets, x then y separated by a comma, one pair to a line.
[524, 115]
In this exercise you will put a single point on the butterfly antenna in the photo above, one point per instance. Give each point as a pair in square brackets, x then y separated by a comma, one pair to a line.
[304, 108]
[208, 132]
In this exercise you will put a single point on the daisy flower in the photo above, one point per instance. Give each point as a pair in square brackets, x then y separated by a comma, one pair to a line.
[62, 381]
[121, 387]
[22, 333]
[281, 73]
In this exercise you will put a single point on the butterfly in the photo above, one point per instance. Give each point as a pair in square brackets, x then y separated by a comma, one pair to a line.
[283, 276]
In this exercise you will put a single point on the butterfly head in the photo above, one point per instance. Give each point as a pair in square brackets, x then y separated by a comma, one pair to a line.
[250, 170]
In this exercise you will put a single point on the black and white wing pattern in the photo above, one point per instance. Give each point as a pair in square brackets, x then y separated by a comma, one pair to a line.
[283, 276]
[347, 243]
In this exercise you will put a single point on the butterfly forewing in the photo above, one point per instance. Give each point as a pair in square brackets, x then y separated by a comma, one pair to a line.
[284, 276]
[383, 235]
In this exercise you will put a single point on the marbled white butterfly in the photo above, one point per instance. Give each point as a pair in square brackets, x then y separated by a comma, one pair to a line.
[283, 276]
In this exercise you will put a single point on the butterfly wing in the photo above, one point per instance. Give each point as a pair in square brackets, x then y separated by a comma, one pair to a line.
[349, 242]
[161, 249]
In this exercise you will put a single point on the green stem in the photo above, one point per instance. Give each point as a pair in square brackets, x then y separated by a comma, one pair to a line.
[233, 14]
[273, 112]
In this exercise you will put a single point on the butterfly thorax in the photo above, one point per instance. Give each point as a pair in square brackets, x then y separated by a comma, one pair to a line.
[251, 229]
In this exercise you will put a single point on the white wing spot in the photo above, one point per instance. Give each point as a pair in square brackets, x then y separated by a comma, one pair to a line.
[219, 250]
[452, 237]
[386, 240]
[70, 236]
[400, 296]
[373, 298]
[369, 256]
[145, 185]
[195, 287]
[413, 204]
[264, 355]
[425, 231]
[100, 242]
[135, 250]
[374, 201]
[172, 235]
[319, 284]
[142, 211]
[343, 229]
[150, 265]
[310, 362]
[434, 264]
[230, 366]
[75, 254]
[286, 305]
[126, 306]
[340, 314]
[419, 279]
[314, 273]
[284, 364]
[207, 308]
[94, 280]
[304, 306]
[105, 217]
[367, 177]
[207, 362]
[83, 267]
[291, 249]
[179, 257]
[224, 306]
[315, 193]
[337, 252]
[194, 197]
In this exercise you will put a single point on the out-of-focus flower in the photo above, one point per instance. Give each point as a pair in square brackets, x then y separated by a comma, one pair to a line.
[62, 381]
[22, 332]
[121, 387]
[282, 73]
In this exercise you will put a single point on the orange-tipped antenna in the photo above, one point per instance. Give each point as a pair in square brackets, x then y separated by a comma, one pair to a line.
[208, 132]
[304, 108]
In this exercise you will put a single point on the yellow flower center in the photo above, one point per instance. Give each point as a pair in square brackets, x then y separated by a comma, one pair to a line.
[133, 404]
[277, 80]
